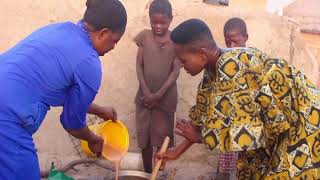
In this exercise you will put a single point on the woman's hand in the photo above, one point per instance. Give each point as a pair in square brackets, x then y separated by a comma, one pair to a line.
[95, 142]
[103, 112]
[167, 156]
[96, 146]
[107, 113]
[189, 131]
[174, 154]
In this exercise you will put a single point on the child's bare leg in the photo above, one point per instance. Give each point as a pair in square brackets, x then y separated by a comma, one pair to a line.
[147, 154]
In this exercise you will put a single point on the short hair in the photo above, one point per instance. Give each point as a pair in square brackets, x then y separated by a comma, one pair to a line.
[162, 7]
[109, 14]
[193, 31]
[237, 24]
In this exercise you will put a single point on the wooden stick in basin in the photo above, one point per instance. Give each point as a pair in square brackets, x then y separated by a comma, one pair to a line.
[157, 166]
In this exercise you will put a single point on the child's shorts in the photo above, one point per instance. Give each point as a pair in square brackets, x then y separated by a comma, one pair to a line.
[153, 126]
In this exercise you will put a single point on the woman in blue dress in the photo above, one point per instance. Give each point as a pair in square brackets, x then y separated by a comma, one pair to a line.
[57, 65]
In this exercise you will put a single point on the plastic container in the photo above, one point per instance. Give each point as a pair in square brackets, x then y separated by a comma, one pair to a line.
[116, 139]
[132, 161]
[129, 175]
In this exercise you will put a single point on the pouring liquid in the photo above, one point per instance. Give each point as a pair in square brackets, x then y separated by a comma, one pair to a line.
[114, 155]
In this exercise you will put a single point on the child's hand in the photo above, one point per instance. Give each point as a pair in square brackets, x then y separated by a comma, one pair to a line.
[189, 131]
[151, 100]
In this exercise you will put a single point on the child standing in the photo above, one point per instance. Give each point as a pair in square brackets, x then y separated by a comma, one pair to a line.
[157, 71]
[235, 35]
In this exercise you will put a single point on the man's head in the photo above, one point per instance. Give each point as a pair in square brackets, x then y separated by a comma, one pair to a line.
[106, 21]
[160, 13]
[194, 45]
[235, 33]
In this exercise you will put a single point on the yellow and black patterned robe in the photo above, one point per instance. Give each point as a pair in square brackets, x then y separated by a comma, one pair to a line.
[263, 108]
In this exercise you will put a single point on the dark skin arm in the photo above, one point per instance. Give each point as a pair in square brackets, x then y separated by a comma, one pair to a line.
[173, 154]
[140, 74]
[103, 112]
[190, 132]
[95, 142]
[154, 98]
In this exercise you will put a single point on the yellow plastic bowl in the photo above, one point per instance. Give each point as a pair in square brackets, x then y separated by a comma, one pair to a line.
[114, 134]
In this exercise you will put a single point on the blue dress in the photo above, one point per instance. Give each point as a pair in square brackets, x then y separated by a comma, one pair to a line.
[54, 66]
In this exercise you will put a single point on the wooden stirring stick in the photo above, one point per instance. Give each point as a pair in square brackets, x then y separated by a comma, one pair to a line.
[158, 164]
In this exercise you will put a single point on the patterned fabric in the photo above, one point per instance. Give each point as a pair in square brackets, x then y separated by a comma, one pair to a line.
[263, 108]
[227, 162]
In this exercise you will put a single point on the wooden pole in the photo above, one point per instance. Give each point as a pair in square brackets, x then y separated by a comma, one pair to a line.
[157, 166]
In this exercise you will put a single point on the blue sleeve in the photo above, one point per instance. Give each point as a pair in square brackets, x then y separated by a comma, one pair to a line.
[87, 80]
